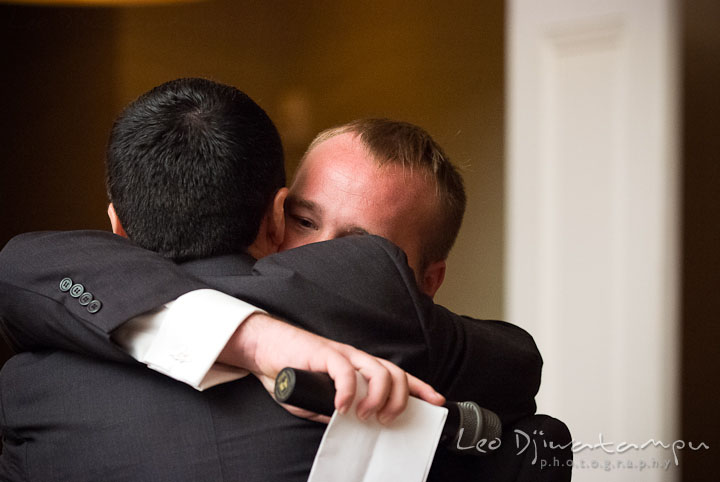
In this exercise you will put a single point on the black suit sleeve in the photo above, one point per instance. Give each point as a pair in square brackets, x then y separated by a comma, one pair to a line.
[369, 299]
[493, 363]
[124, 280]
[356, 290]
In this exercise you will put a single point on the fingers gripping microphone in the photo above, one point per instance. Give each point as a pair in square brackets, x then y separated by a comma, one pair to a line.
[467, 424]
[312, 391]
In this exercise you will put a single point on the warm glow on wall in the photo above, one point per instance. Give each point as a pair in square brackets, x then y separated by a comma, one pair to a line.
[96, 3]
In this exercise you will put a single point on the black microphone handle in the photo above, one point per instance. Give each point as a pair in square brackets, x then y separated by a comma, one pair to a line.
[467, 430]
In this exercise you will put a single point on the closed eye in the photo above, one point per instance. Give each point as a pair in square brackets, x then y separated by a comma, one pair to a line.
[302, 213]
[302, 222]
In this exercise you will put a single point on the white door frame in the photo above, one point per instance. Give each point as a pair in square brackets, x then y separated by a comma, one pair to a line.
[592, 220]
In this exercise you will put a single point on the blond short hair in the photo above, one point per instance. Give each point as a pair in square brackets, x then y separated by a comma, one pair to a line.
[407, 145]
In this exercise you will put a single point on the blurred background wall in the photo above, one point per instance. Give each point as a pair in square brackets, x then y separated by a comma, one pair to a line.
[67, 72]
[311, 65]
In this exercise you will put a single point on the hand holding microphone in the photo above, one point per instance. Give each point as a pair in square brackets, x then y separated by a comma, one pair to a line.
[466, 426]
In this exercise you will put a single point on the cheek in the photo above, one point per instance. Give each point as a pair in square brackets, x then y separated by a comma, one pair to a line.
[292, 240]
[299, 237]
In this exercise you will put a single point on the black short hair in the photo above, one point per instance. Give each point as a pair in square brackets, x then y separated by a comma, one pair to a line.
[192, 166]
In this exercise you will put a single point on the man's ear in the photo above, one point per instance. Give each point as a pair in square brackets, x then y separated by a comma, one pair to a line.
[276, 217]
[432, 278]
[117, 226]
[272, 228]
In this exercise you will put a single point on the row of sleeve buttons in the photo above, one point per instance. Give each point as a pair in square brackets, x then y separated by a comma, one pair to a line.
[85, 298]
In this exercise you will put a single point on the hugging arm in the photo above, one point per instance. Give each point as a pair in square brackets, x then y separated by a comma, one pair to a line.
[38, 308]
[357, 291]
[379, 308]
[41, 309]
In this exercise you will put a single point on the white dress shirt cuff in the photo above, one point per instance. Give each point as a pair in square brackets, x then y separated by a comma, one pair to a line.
[183, 338]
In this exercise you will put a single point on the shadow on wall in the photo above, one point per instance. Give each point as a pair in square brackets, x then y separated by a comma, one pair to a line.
[57, 110]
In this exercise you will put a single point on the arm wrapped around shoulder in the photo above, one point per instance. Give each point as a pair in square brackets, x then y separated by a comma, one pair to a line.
[70, 290]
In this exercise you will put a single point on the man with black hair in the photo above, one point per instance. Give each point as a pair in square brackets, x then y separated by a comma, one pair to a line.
[196, 174]
[192, 168]
[359, 291]
[195, 170]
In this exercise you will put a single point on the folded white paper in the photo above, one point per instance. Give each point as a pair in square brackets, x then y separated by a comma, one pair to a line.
[355, 451]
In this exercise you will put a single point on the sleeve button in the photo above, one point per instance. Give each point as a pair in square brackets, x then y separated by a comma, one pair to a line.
[85, 298]
[65, 284]
[76, 290]
[94, 306]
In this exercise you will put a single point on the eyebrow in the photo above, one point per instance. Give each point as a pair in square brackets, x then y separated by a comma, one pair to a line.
[296, 202]
[350, 230]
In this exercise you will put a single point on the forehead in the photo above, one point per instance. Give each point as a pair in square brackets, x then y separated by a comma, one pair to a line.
[342, 169]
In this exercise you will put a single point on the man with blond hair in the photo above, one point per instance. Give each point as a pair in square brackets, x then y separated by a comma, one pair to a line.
[381, 177]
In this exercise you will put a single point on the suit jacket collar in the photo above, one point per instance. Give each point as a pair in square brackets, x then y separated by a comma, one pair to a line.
[224, 265]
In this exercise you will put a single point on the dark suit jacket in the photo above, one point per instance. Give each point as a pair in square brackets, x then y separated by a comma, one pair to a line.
[125, 420]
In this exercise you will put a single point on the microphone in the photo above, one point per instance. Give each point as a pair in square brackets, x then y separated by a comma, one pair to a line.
[468, 426]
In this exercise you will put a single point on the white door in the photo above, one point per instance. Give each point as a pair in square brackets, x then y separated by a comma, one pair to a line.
[592, 219]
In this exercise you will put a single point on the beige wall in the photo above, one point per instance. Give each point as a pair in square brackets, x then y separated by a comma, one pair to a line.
[316, 64]
[309, 64]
